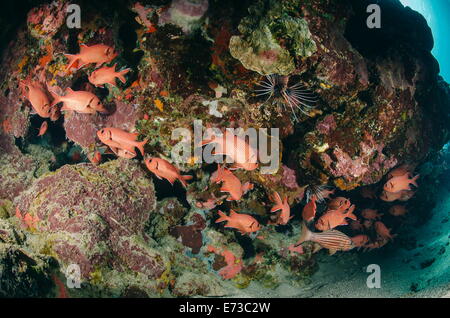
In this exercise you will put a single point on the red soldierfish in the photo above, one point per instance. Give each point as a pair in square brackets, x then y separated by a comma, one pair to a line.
[121, 139]
[371, 214]
[360, 240]
[398, 210]
[43, 128]
[400, 183]
[332, 240]
[164, 169]
[244, 223]
[285, 214]
[107, 75]
[309, 211]
[38, 98]
[98, 54]
[339, 203]
[238, 149]
[79, 101]
[231, 184]
[383, 231]
[334, 218]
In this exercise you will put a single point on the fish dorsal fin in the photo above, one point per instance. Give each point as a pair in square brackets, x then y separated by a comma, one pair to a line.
[232, 212]
[83, 47]
[69, 90]
[277, 198]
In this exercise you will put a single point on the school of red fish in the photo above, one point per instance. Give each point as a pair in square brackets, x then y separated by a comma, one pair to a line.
[317, 227]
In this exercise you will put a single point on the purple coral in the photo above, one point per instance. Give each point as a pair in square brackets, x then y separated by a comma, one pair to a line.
[185, 13]
[95, 216]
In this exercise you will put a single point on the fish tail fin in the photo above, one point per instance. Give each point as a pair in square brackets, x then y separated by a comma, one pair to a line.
[414, 180]
[352, 216]
[278, 203]
[73, 58]
[277, 198]
[247, 187]
[275, 208]
[55, 96]
[184, 178]
[223, 217]
[305, 236]
[121, 75]
[207, 141]
[140, 146]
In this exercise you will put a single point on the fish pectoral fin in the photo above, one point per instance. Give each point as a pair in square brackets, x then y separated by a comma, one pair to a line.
[224, 189]
[316, 248]
[114, 150]
[170, 180]
[332, 251]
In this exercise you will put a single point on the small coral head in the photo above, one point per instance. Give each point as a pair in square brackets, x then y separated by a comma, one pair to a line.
[293, 97]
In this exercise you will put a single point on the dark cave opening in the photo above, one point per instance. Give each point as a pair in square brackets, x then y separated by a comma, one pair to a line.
[397, 29]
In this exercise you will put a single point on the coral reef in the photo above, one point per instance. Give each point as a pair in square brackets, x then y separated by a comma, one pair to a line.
[187, 14]
[273, 34]
[101, 212]
[380, 111]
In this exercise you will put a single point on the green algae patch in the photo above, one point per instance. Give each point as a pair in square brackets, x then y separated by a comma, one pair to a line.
[273, 37]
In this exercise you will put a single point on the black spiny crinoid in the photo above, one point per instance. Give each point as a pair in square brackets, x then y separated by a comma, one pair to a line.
[294, 97]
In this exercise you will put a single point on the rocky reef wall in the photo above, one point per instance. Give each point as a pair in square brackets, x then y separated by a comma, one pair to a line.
[372, 102]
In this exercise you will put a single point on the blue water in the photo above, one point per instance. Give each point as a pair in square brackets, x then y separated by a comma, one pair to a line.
[437, 14]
